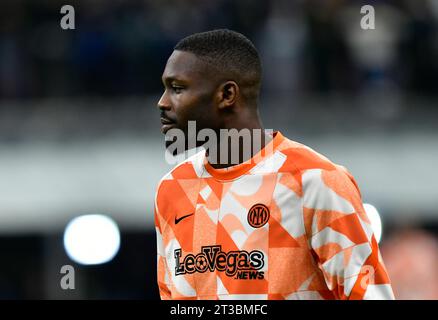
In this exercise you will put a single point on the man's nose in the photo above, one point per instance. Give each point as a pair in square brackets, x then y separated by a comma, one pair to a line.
[164, 103]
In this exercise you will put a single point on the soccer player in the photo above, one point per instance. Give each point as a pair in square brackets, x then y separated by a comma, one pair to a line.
[283, 223]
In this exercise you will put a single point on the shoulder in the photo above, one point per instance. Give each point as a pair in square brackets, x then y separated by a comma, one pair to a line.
[300, 157]
[176, 191]
[189, 169]
[314, 169]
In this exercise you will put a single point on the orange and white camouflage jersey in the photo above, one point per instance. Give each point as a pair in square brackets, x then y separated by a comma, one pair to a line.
[290, 225]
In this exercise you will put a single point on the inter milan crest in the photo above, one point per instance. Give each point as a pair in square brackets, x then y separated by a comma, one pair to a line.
[258, 215]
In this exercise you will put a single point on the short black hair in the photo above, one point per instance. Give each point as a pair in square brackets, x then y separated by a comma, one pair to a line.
[231, 52]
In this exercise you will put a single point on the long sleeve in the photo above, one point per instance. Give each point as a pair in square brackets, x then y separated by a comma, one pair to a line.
[161, 261]
[340, 236]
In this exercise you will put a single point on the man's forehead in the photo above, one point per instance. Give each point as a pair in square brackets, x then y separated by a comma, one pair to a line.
[183, 64]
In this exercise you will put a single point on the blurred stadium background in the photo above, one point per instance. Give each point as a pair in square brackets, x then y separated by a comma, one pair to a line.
[80, 133]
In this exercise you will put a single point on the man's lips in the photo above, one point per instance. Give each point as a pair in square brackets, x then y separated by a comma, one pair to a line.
[166, 121]
[166, 124]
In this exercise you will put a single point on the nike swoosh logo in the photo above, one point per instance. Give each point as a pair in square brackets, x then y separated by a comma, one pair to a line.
[177, 220]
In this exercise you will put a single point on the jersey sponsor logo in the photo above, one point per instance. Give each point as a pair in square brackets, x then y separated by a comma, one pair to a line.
[258, 215]
[239, 264]
[177, 220]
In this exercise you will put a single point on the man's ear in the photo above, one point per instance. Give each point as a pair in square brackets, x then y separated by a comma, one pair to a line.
[228, 93]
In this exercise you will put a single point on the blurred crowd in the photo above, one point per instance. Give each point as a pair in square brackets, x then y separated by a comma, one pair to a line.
[411, 258]
[120, 47]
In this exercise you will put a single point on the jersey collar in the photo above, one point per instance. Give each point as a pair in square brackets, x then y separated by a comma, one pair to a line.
[240, 169]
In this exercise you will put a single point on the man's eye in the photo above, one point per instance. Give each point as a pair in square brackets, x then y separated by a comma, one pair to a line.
[177, 89]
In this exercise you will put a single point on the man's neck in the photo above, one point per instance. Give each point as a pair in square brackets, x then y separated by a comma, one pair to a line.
[238, 144]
